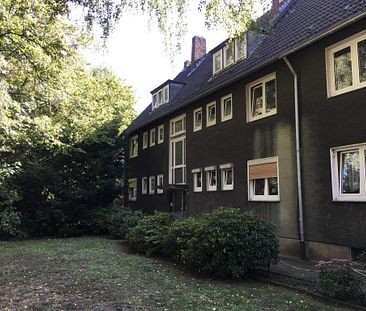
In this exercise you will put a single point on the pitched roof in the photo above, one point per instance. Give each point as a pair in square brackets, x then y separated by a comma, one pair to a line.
[300, 23]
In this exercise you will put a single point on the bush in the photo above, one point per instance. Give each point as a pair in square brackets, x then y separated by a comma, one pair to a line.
[10, 224]
[362, 258]
[337, 279]
[149, 235]
[121, 220]
[97, 222]
[178, 237]
[230, 244]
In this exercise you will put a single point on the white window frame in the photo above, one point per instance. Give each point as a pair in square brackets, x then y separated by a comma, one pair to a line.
[132, 197]
[159, 178]
[208, 106]
[166, 91]
[224, 168]
[152, 137]
[172, 125]
[336, 167]
[195, 126]
[145, 140]
[144, 186]
[223, 99]
[160, 140]
[266, 197]
[237, 40]
[225, 48]
[208, 170]
[154, 101]
[329, 57]
[151, 188]
[262, 81]
[215, 70]
[195, 173]
[131, 153]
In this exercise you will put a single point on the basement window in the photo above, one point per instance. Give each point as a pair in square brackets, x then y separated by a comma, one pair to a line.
[263, 180]
[262, 98]
[348, 173]
[346, 65]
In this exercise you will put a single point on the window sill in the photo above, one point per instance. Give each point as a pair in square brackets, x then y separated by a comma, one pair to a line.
[226, 119]
[197, 191]
[350, 89]
[132, 200]
[265, 199]
[210, 124]
[350, 198]
[250, 119]
[197, 129]
[227, 189]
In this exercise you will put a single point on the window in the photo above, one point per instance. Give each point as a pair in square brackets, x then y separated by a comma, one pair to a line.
[240, 48]
[144, 185]
[346, 65]
[178, 126]
[145, 140]
[211, 178]
[166, 94]
[227, 176]
[349, 173]
[160, 134]
[229, 53]
[226, 108]
[197, 119]
[155, 101]
[152, 137]
[263, 180]
[211, 114]
[160, 182]
[197, 180]
[217, 62]
[132, 189]
[177, 151]
[151, 184]
[262, 98]
[134, 147]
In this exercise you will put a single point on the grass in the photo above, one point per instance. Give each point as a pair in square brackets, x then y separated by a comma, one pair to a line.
[94, 273]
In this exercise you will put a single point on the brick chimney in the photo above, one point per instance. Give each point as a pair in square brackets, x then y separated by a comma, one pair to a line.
[198, 48]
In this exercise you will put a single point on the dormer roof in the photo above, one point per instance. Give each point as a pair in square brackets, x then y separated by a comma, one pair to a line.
[299, 24]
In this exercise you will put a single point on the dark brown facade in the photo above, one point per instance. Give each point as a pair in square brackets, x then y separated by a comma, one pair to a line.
[332, 229]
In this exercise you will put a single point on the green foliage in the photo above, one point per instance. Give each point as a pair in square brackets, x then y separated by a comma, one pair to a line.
[337, 279]
[10, 224]
[60, 121]
[121, 220]
[362, 258]
[149, 235]
[178, 237]
[231, 244]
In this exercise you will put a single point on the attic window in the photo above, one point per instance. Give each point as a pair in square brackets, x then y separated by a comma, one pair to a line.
[233, 51]
[160, 97]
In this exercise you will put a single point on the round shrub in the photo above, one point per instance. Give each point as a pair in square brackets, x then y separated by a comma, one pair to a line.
[121, 220]
[228, 243]
[337, 279]
[178, 237]
[149, 235]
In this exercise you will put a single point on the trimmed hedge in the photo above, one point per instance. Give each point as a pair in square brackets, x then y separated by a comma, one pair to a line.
[228, 243]
[149, 234]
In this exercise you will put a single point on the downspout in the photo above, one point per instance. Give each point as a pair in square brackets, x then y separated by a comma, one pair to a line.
[298, 160]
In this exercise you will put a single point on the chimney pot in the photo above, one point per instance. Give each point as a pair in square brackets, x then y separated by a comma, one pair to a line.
[198, 48]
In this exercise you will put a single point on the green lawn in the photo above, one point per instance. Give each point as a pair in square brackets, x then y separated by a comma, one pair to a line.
[93, 273]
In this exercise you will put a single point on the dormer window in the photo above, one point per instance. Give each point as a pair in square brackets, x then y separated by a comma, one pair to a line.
[160, 97]
[233, 51]
[229, 54]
